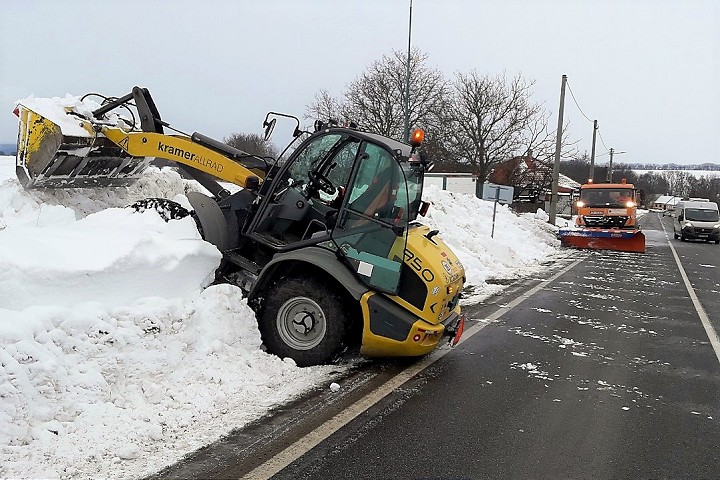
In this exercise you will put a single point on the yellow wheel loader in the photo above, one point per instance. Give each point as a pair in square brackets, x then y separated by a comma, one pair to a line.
[323, 241]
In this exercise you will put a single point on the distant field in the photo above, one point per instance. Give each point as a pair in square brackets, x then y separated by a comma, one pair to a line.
[696, 173]
[8, 148]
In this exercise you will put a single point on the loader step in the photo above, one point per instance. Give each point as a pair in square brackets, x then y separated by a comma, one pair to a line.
[242, 262]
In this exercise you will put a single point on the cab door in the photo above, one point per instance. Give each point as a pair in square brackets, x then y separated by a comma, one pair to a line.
[371, 231]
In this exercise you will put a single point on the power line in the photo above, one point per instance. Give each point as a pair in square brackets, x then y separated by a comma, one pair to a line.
[602, 140]
[576, 103]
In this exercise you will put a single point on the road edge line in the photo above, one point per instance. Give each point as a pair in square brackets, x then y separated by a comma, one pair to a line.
[517, 301]
[704, 319]
[303, 445]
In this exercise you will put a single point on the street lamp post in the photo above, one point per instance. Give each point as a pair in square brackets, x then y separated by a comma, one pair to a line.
[406, 130]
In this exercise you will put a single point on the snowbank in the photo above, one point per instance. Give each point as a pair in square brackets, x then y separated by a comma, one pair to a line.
[54, 109]
[519, 244]
[115, 360]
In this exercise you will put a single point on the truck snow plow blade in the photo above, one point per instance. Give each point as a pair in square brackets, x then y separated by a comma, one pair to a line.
[603, 239]
[67, 152]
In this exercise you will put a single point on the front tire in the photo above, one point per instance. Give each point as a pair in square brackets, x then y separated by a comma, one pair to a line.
[304, 320]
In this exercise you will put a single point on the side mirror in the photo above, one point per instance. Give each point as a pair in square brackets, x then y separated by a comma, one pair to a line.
[269, 127]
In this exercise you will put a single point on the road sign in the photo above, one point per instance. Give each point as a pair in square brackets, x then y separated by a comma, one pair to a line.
[497, 194]
[502, 193]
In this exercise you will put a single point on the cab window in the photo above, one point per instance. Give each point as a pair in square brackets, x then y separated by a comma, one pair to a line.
[309, 157]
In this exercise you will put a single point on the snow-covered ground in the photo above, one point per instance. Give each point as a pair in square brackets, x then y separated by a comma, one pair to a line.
[115, 360]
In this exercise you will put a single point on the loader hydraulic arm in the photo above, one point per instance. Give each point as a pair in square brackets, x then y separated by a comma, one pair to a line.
[110, 150]
[197, 152]
[185, 151]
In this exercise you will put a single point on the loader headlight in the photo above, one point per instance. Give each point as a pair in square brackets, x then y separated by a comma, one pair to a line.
[630, 204]
[580, 204]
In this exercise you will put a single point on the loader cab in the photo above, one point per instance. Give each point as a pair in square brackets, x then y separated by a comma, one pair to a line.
[347, 191]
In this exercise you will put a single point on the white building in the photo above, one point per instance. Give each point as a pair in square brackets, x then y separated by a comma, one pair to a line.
[666, 203]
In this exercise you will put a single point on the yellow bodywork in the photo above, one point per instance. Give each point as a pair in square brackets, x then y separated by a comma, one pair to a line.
[423, 337]
[179, 149]
[443, 277]
[108, 155]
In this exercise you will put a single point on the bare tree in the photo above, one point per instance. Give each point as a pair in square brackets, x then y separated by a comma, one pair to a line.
[476, 121]
[493, 120]
[375, 100]
[540, 141]
[252, 144]
[326, 108]
[678, 182]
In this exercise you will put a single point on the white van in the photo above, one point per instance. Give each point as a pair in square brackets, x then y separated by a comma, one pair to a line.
[696, 220]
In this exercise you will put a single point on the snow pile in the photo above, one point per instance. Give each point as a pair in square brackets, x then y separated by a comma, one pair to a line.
[88, 260]
[516, 248]
[82, 387]
[55, 109]
[115, 360]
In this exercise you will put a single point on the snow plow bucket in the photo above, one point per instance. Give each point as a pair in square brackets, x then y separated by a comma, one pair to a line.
[603, 239]
[66, 152]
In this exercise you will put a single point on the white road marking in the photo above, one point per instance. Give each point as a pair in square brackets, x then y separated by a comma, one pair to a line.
[709, 330]
[312, 439]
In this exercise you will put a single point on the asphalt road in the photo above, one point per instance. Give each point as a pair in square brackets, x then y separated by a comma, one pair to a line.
[702, 264]
[606, 372]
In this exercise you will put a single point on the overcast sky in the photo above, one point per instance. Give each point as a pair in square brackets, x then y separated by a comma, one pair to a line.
[647, 70]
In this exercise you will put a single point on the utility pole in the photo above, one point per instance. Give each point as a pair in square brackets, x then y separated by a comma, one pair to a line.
[591, 178]
[610, 172]
[406, 130]
[556, 166]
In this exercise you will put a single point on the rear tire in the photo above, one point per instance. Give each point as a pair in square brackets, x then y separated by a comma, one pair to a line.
[304, 320]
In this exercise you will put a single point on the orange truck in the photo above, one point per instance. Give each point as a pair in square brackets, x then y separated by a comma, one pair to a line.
[606, 219]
